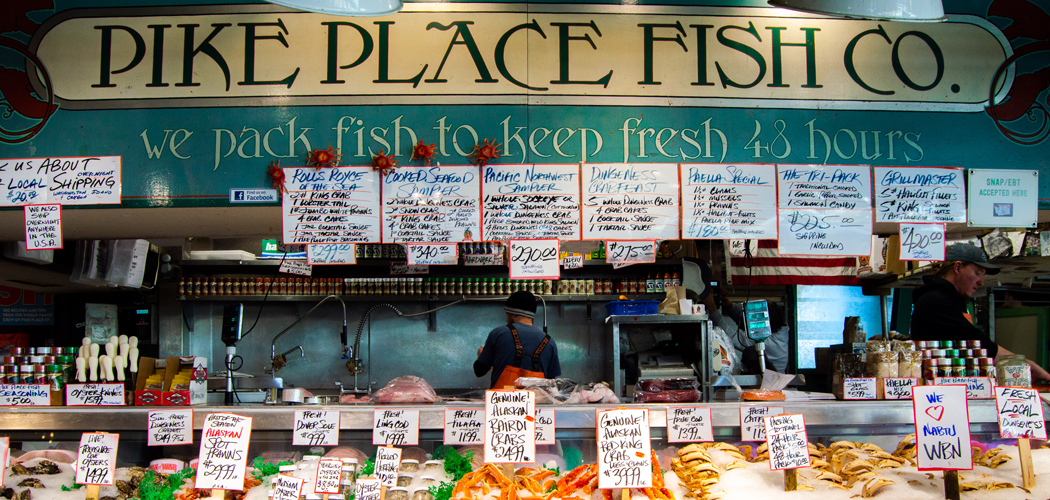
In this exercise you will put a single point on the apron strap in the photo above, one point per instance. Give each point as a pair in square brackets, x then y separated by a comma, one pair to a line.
[517, 347]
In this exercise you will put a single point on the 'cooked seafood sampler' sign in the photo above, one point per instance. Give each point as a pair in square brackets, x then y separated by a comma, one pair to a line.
[287, 487]
[395, 427]
[729, 201]
[316, 428]
[328, 475]
[1020, 413]
[752, 423]
[464, 426]
[788, 445]
[388, 464]
[96, 458]
[431, 204]
[169, 427]
[224, 451]
[624, 450]
[942, 427]
[689, 424]
[510, 425]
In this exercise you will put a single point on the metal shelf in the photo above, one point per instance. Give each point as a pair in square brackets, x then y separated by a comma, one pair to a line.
[411, 298]
[385, 262]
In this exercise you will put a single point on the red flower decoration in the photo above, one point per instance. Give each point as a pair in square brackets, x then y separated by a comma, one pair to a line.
[323, 158]
[277, 174]
[382, 163]
[423, 152]
[484, 152]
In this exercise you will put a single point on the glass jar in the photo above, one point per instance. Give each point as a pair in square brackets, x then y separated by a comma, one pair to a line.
[944, 367]
[57, 380]
[929, 371]
[985, 367]
[1014, 371]
[958, 367]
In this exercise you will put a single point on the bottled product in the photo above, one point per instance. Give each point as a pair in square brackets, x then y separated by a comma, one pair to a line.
[1013, 370]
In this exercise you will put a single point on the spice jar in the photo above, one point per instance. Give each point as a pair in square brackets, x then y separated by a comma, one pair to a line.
[56, 379]
[25, 373]
[958, 368]
[1014, 371]
[986, 367]
[929, 371]
[944, 367]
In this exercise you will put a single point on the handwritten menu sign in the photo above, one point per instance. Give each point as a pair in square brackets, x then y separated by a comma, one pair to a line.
[330, 205]
[25, 395]
[397, 427]
[630, 251]
[331, 253]
[534, 259]
[898, 388]
[859, 388]
[630, 201]
[574, 261]
[689, 424]
[67, 181]
[316, 428]
[729, 201]
[624, 450]
[224, 451]
[976, 387]
[368, 488]
[942, 427]
[432, 254]
[431, 204]
[388, 464]
[922, 241]
[544, 426]
[919, 194]
[96, 458]
[287, 487]
[296, 267]
[752, 425]
[328, 475]
[824, 209]
[531, 202]
[95, 395]
[1020, 413]
[5, 449]
[43, 227]
[510, 426]
[464, 426]
[169, 427]
[788, 445]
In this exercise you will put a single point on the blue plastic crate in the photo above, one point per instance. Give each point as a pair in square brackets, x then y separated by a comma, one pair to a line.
[632, 307]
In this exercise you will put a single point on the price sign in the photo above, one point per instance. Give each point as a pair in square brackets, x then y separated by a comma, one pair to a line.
[729, 201]
[630, 251]
[464, 426]
[431, 204]
[43, 227]
[368, 488]
[223, 452]
[574, 261]
[752, 423]
[96, 458]
[534, 259]
[942, 427]
[898, 388]
[922, 241]
[287, 487]
[395, 427]
[331, 205]
[169, 427]
[689, 424]
[824, 210]
[68, 181]
[544, 426]
[825, 232]
[95, 395]
[398, 269]
[919, 194]
[5, 449]
[788, 445]
[316, 428]
[1020, 413]
[483, 259]
[388, 464]
[296, 267]
[328, 475]
[331, 253]
[859, 388]
[510, 426]
[630, 201]
[976, 387]
[432, 254]
[624, 450]
[531, 201]
[25, 395]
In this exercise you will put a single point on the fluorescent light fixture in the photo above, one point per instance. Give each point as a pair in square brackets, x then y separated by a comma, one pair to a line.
[881, 10]
[344, 7]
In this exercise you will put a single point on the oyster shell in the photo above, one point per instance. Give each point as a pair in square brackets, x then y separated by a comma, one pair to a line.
[30, 482]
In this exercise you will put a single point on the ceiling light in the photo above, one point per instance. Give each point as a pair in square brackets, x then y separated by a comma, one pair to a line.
[344, 7]
[881, 10]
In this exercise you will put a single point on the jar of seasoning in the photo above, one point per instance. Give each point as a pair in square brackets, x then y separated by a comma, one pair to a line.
[36, 360]
[25, 373]
[980, 353]
[947, 344]
[975, 344]
[1013, 370]
[971, 368]
[938, 353]
[944, 367]
[18, 351]
[985, 367]
[933, 344]
[920, 345]
[3, 374]
[929, 371]
[68, 364]
[57, 380]
[40, 374]
[958, 367]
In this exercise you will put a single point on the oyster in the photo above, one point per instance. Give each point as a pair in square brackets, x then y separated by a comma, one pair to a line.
[30, 482]
[19, 470]
[125, 488]
[24, 495]
[47, 468]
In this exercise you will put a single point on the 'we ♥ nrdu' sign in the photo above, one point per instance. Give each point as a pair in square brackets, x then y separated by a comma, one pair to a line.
[942, 427]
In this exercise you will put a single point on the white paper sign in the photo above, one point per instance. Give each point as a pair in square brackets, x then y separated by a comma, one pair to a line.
[169, 427]
[296, 267]
[788, 444]
[25, 395]
[624, 450]
[96, 458]
[95, 395]
[531, 202]
[43, 227]
[395, 427]
[824, 232]
[942, 427]
[68, 181]
[574, 261]
[5, 449]
[1020, 413]
[1003, 198]
[316, 428]
[483, 259]
[287, 487]
[976, 387]
[630, 201]
[368, 488]
[534, 259]
[630, 251]
[919, 194]
[464, 426]
[544, 426]
[922, 241]
[330, 205]
[752, 423]
[331, 253]
[510, 426]
[859, 388]
[729, 201]
[388, 464]
[329, 472]
[824, 209]
[898, 387]
[223, 452]
[689, 424]
[431, 204]
[432, 254]
[398, 269]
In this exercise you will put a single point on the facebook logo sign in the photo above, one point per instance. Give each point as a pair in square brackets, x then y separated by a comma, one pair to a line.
[238, 195]
[254, 196]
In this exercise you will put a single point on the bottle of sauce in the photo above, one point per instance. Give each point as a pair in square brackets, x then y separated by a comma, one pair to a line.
[57, 381]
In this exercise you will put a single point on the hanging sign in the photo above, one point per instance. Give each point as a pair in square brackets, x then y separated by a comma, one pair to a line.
[432, 254]
[922, 241]
[510, 426]
[752, 423]
[630, 201]
[534, 259]
[169, 427]
[224, 452]
[330, 205]
[630, 251]
[395, 427]
[689, 424]
[43, 227]
[287, 487]
[729, 201]
[544, 426]
[96, 458]
[315, 428]
[824, 210]
[788, 445]
[1003, 198]
[431, 204]
[942, 427]
[624, 449]
[388, 464]
[859, 388]
[1020, 413]
[531, 202]
[67, 181]
[331, 253]
[464, 426]
[824, 232]
[898, 387]
[329, 473]
[919, 194]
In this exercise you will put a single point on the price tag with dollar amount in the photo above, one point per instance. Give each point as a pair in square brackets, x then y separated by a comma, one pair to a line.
[689, 424]
[95, 395]
[624, 450]
[329, 472]
[859, 388]
[331, 254]
[169, 427]
[465, 426]
[752, 425]
[43, 227]
[922, 241]
[296, 267]
[942, 427]
[287, 487]
[510, 426]
[97, 458]
[388, 464]
[223, 452]
[898, 387]
[534, 259]
[788, 444]
[25, 395]
[573, 261]
[316, 428]
[1020, 413]
[432, 254]
[544, 426]
[630, 251]
[824, 232]
[395, 427]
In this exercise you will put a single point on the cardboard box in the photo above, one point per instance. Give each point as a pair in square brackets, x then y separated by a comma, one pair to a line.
[198, 390]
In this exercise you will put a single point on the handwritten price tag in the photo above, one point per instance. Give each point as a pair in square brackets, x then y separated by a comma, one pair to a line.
[25, 395]
[96, 458]
[976, 387]
[328, 474]
[296, 267]
[752, 423]
[630, 251]
[43, 227]
[432, 254]
[399, 269]
[316, 428]
[388, 464]
[534, 259]
[689, 424]
[95, 395]
[223, 452]
[169, 427]
[859, 388]
[395, 427]
[788, 445]
[510, 426]
[368, 488]
[544, 426]
[898, 388]
[624, 450]
[328, 254]
[825, 232]
[574, 261]
[1020, 413]
[287, 487]
[942, 427]
[464, 426]
[922, 241]
[483, 259]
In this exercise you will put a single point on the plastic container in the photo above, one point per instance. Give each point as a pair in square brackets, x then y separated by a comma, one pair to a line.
[1013, 371]
[632, 307]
